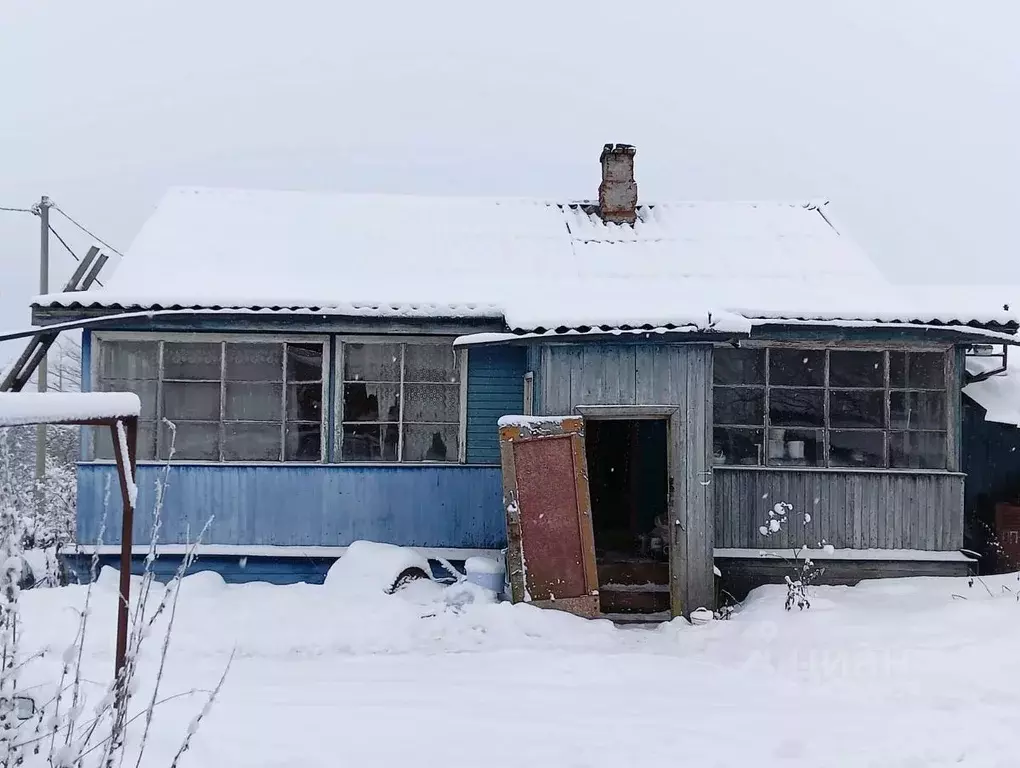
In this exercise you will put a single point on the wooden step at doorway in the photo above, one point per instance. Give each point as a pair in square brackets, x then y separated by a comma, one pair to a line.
[633, 571]
[634, 598]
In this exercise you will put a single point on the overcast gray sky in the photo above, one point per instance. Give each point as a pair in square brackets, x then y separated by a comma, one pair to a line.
[903, 113]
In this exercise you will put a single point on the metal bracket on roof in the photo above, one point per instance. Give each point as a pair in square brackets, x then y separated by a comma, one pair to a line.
[988, 351]
[82, 279]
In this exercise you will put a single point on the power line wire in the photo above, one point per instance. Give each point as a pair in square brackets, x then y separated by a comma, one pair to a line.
[16, 210]
[95, 237]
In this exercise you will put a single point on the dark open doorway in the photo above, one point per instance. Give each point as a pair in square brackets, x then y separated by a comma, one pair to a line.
[628, 477]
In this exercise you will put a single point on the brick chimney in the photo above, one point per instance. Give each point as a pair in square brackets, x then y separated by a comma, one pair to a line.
[618, 190]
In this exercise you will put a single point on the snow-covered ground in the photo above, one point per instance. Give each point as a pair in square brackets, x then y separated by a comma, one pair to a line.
[913, 672]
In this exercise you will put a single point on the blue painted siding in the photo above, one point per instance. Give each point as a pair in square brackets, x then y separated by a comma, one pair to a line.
[430, 506]
[495, 388]
[233, 569]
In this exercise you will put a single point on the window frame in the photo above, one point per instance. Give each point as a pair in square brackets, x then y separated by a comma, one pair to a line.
[949, 429]
[332, 389]
[338, 398]
[95, 376]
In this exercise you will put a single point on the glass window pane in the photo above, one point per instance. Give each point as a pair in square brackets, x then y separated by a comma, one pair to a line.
[304, 443]
[249, 401]
[304, 402]
[146, 391]
[797, 367]
[856, 369]
[371, 402]
[304, 362]
[254, 362]
[739, 405]
[103, 441]
[917, 450]
[251, 442]
[430, 442]
[796, 448]
[737, 446]
[917, 410]
[856, 449]
[369, 442]
[431, 402]
[917, 370]
[195, 441]
[856, 408]
[797, 407]
[129, 359]
[371, 362]
[430, 362]
[738, 366]
[196, 401]
[191, 360]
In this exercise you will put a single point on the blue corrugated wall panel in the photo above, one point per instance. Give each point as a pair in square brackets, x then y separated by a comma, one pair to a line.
[424, 506]
[495, 388]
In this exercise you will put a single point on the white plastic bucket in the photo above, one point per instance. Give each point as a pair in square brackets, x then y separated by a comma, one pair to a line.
[485, 572]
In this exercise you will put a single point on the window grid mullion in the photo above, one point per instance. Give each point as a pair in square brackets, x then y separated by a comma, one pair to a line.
[283, 404]
[223, 398]
[159, 397]
[400, 414]
[826, 418]
[887, 436]
[768, 422]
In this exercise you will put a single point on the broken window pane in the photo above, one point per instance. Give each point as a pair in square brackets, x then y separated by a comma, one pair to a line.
[797, 367]
[197, 441]
[303, 442]
[304, 362]
[253, 401]
[917, 410]
[191, 360]
[369, 442]
[251, 442]
[304, 402]
[431, 402]
[195, 401]
[737, 446]
[254, 362]
[917, 370]
[733, 365]
[430, 363]
[371, 362]
[371, 402]
[797, 407]
[430, 442]
[856, 449]
[739, 405]
[917, 450]
[856, 408]
[796, 448]
[856, 369]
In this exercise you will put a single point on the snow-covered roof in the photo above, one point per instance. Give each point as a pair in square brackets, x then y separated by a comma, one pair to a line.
[19, 408]
[538, 264]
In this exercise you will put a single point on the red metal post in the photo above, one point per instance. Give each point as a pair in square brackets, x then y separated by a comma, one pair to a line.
[126, 466]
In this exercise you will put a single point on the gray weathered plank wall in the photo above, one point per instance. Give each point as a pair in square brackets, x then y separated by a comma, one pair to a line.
[860, 510]
[650, 374]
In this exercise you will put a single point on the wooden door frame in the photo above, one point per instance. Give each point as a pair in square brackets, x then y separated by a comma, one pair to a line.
[674, 463]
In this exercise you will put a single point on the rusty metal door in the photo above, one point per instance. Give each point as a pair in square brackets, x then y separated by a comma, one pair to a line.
[551, 550]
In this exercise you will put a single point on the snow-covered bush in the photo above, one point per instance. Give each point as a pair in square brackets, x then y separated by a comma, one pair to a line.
[68, 727]
[803, 572]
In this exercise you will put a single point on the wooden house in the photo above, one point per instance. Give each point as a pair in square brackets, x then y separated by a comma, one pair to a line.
[335, 365]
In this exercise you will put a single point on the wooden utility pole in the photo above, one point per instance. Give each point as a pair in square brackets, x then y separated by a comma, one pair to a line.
[44, 287]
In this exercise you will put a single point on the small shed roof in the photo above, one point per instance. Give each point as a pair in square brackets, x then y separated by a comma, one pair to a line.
[539, 264]
[19, 408]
